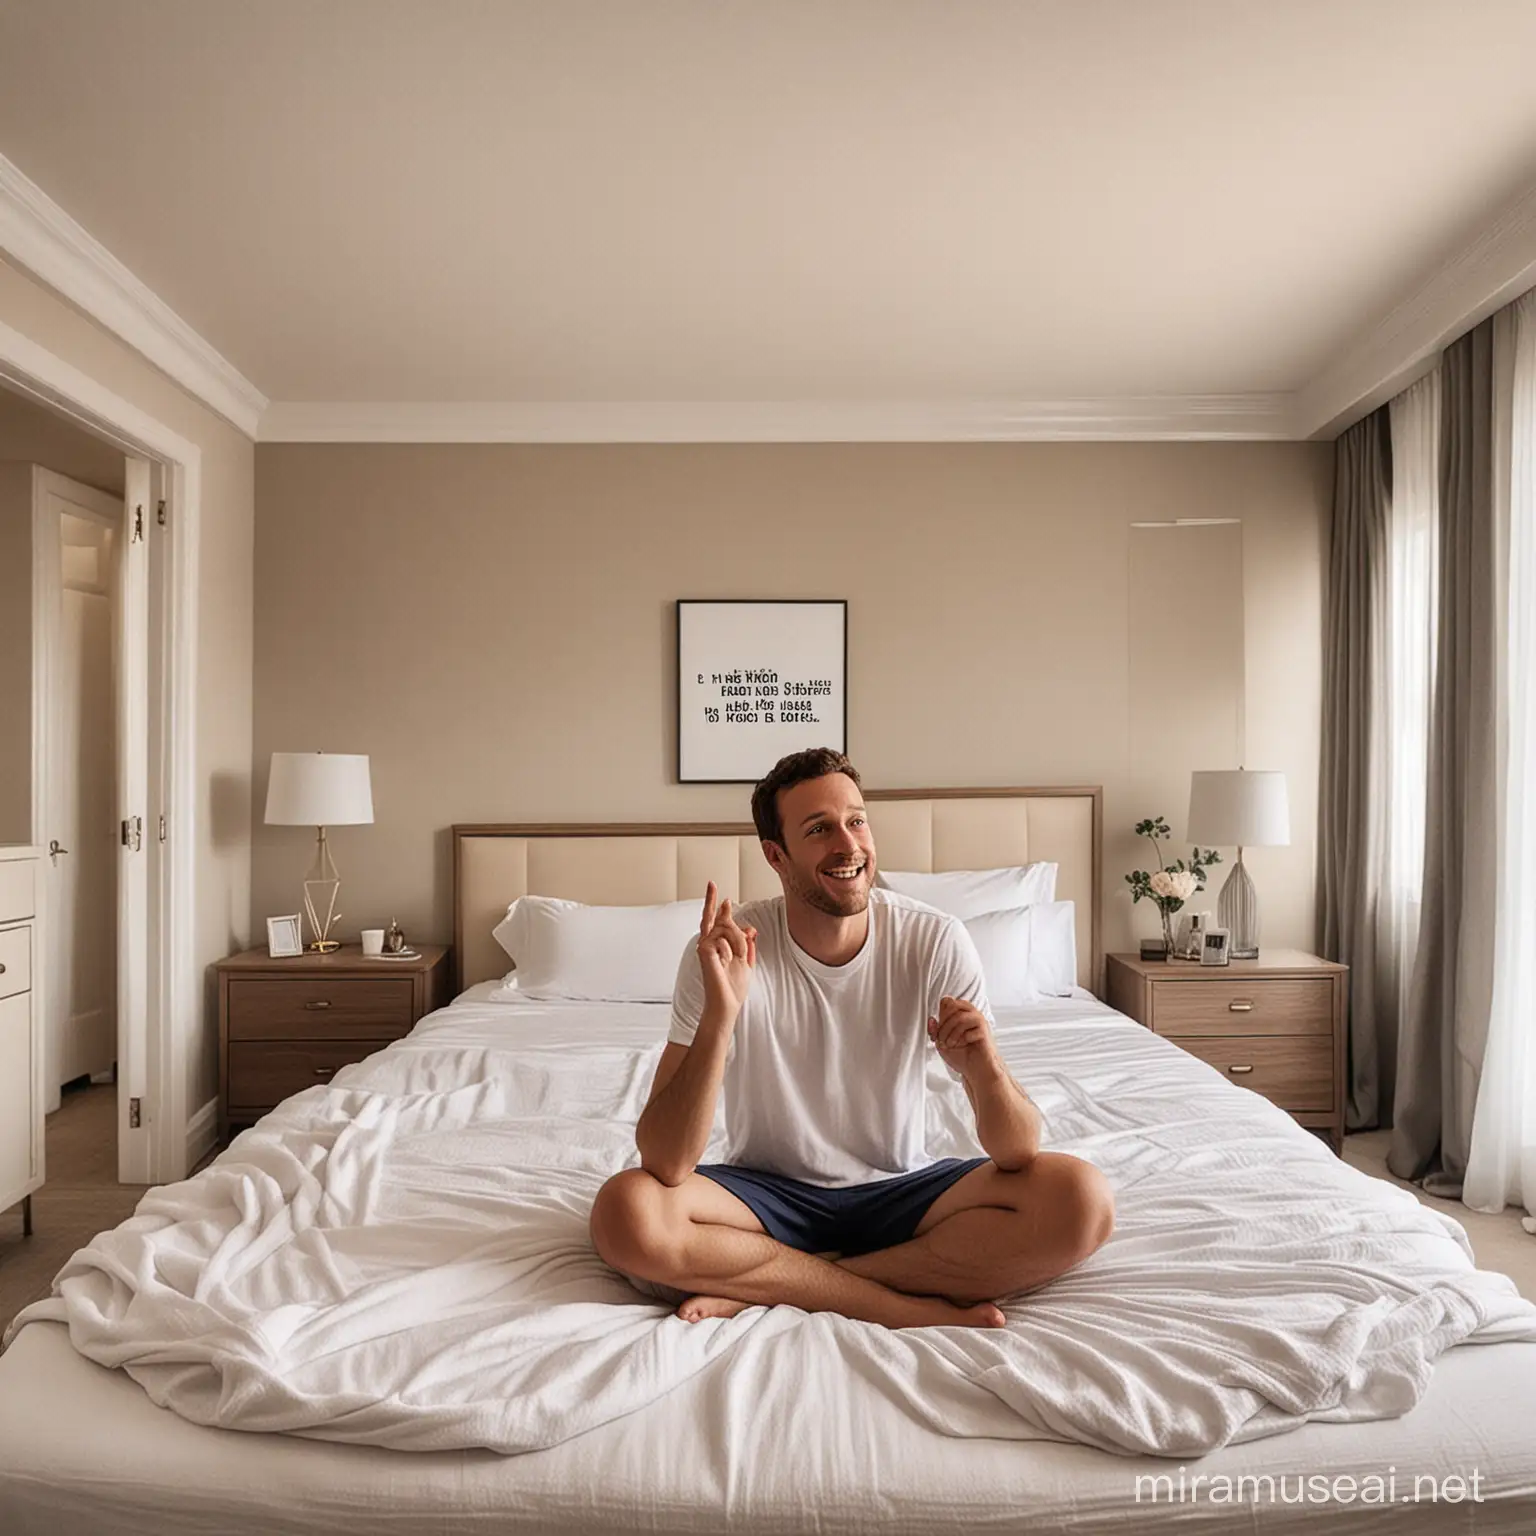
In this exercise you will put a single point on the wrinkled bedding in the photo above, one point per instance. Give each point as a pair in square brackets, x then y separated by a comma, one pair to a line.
[400, 1258]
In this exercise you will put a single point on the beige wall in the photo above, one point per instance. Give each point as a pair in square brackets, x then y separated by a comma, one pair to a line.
[224, 626]
[494, 626]
[32, 432]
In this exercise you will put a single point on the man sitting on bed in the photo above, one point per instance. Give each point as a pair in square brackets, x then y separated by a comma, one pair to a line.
[810, 1010]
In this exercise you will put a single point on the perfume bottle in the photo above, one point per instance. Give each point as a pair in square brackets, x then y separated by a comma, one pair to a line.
[394, 938]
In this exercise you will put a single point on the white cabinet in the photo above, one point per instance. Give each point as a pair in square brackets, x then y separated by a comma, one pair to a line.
[21, 1033]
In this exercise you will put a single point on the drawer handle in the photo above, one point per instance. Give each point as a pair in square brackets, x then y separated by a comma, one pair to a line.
[1238, 1071]
[1242, 1005]
[2, 967]
[321, 1004]
[325, 1071]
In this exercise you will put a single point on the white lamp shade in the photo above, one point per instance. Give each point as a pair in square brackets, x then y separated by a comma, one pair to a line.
[319, 789]
[1236, 808]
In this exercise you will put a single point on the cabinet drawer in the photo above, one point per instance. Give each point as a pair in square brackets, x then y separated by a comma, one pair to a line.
[1267, 1005]
[15, 960]
[295, 1008]
[264, 1074]
[16, 893]
[1295, 1071]
[16, 1074]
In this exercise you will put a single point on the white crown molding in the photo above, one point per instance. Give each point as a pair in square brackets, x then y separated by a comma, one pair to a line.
[39, 236]
[1131, 418]
[1488, 272]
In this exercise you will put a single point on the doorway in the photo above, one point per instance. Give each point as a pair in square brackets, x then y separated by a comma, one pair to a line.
[62, 536]
[77, 708]
[168, 979]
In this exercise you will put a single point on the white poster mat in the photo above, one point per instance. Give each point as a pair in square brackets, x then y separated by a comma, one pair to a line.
[757, 680]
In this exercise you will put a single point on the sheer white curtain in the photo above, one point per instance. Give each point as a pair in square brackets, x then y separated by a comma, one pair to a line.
[1413, 523]
[1501, 1163]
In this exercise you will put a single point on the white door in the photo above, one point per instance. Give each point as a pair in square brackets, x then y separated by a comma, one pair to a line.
[76, 531]
[83, 716]
[92, 733]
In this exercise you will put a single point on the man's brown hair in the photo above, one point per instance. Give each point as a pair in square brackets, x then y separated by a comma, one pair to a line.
[813, 763]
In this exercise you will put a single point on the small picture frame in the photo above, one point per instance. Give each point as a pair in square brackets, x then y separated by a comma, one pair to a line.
[1213, 949]
[284, 936]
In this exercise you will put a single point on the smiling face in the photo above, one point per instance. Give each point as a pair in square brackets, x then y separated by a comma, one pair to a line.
[828, 857]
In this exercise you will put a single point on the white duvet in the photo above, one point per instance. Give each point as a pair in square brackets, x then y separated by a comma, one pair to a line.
[401, 1258]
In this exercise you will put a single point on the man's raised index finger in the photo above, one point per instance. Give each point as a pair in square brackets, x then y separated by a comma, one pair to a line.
[709, 908]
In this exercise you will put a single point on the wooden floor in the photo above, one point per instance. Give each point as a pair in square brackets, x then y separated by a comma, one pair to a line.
[81, 1197]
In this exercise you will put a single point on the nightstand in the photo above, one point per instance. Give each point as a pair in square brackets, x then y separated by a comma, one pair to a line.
[1275, 1024]
[287, 1024]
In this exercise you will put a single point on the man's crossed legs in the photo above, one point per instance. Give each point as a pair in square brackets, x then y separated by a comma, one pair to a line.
[989, 1234]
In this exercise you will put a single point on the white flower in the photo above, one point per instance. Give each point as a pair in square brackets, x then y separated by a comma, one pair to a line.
[1175, 884]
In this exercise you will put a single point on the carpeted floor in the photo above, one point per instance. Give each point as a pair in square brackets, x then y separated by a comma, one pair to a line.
[80, 1198]
[1499, 1242]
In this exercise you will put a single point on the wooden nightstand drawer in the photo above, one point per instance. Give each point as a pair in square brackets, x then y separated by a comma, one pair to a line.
[269, 1008]
[263, 1074]
[1295, 1071]
[1274, 1005]
[289, 1022]
[15, 961]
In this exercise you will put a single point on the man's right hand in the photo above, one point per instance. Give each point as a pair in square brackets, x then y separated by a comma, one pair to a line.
[727, 953]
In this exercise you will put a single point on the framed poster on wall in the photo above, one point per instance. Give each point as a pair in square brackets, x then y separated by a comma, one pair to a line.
[757, 680]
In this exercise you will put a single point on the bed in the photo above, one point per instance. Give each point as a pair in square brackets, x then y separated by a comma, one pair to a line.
[775, 1421]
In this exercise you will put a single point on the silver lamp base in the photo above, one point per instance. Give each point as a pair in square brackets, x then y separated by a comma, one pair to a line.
[1237, 910]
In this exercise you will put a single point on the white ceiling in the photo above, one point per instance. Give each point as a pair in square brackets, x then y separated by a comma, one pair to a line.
[939, 200]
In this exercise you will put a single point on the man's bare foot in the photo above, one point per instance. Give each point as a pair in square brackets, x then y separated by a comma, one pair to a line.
[926, 1312]
[983, 1315]
[697, 1308]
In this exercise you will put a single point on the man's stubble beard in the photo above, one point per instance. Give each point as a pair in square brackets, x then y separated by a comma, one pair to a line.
[813, 895]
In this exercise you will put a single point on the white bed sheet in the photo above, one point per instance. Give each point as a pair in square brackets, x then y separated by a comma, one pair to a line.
[83, 1449]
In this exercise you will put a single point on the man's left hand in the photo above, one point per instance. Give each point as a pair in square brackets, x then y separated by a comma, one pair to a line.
[964, 1039]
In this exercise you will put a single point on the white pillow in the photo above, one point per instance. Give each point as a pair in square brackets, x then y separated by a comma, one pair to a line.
[563, 949]
[1027, 952]
[966, 893]
[1002, 943]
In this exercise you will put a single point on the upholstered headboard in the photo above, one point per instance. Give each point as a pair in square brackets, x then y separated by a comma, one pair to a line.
[642, 863]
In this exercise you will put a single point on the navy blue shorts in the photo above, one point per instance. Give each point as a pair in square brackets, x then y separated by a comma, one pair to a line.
[858, 1218]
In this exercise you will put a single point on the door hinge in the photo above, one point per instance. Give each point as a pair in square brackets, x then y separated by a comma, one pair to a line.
[160, 512]
[162, 829]
[138, 524]
[135, 1114]
[133, 833]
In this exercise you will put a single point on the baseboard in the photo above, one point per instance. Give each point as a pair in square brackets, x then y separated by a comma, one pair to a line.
[202, 1133]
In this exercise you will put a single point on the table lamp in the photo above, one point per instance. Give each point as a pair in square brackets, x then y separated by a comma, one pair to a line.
[1234, 807]
[320, 790]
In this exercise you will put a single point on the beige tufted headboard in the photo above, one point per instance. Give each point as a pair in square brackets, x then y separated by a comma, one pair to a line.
[644, 863]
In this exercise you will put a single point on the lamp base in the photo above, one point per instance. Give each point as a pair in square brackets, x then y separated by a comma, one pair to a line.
[1237, 910]
[321, 887]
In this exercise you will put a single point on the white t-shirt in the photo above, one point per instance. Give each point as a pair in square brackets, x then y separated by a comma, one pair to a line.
[824, 1081]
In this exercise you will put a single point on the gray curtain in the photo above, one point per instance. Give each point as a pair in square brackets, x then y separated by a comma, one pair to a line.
[1349, 812]
[1440, 1052]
